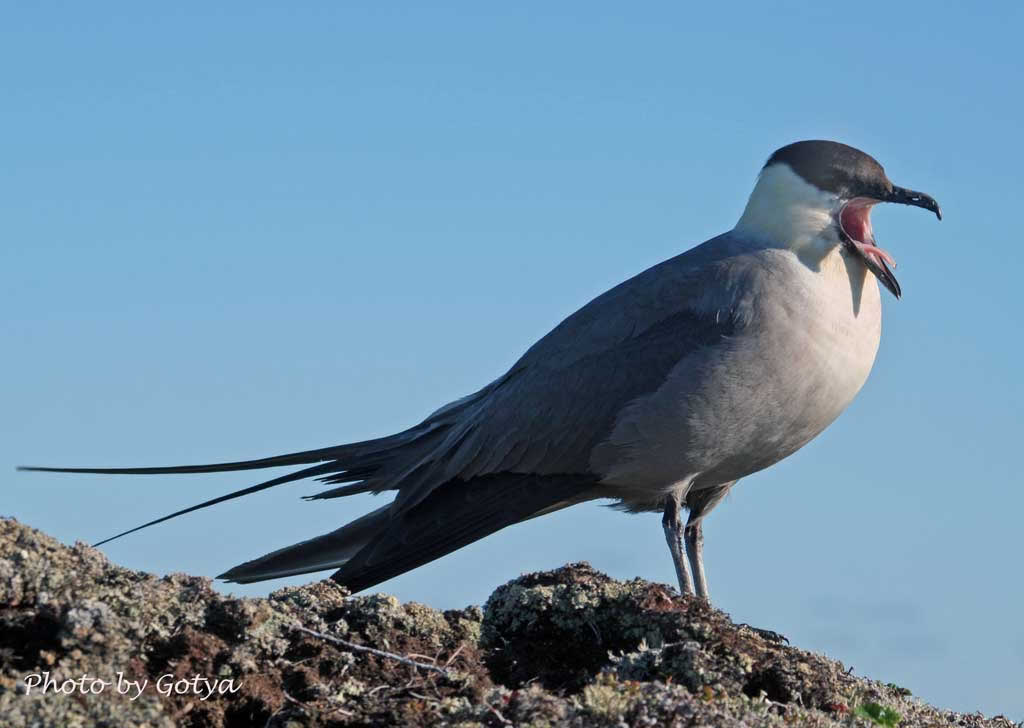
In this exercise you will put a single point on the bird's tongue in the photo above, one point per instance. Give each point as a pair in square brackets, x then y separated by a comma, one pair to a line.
[874, 252]
[856, 222]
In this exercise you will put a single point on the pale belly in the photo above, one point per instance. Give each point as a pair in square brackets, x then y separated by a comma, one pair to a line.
[737, 408]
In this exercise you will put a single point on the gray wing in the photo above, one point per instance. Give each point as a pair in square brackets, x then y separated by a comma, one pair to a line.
[562, 397]
[522, 445]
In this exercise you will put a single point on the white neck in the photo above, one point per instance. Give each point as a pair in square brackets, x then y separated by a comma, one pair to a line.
[787, 212]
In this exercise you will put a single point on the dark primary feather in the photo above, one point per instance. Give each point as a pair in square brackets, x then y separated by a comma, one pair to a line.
[455, 514]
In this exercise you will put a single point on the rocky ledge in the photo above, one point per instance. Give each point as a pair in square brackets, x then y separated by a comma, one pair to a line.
[84, 642]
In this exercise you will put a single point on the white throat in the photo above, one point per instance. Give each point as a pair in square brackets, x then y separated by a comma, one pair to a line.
[787, 212]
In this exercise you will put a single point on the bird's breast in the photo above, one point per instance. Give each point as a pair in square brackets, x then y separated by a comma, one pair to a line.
[733, 409]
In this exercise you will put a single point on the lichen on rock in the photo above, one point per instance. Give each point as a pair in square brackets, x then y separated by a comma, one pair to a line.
[569, 647]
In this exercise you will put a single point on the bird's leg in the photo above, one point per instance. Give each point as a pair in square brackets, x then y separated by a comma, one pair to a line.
[694, 535]
[673, 525]
[700, 503]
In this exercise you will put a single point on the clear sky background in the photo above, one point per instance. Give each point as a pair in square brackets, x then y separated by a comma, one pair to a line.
[240, 231]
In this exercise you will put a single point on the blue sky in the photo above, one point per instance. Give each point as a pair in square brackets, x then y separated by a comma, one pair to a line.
[240, 231]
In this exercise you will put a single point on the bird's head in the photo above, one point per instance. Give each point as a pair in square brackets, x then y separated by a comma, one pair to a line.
[821, 193]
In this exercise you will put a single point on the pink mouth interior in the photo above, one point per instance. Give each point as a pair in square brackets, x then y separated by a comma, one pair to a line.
[855, 218]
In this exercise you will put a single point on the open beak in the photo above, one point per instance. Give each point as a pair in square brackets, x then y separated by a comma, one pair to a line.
[855, 231]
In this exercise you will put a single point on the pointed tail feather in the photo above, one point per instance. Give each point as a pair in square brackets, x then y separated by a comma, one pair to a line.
[295, 458]
[383, 544]
[298, 475]
[345, 463]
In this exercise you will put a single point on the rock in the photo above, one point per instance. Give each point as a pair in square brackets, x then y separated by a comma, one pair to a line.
[84, 642]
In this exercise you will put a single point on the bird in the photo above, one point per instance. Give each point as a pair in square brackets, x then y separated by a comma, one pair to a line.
[659, 394]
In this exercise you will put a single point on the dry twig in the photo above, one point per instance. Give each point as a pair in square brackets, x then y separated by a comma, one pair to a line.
[372, 651]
